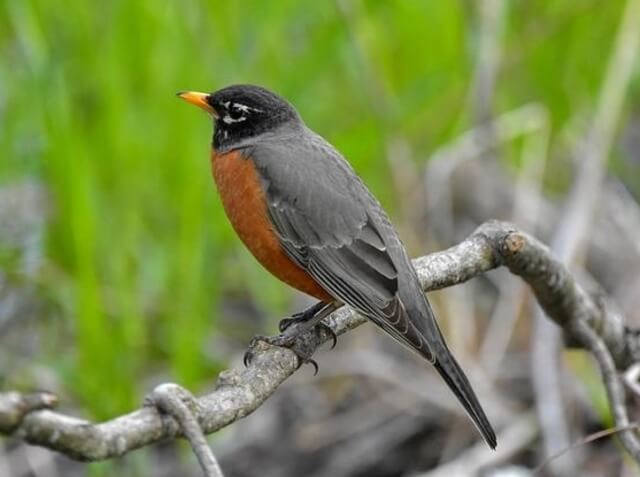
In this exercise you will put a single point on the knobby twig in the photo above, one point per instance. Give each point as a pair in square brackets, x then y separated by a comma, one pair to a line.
[240, 392]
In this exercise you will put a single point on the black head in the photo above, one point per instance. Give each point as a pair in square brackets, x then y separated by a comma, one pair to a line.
[243, 111]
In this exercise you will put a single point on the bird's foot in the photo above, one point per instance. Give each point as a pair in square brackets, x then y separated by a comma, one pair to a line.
[309, 314]
[287, 322]
[282, 340]
[309, 319]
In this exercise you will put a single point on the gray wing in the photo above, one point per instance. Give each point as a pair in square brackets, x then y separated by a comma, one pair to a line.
[330, 225]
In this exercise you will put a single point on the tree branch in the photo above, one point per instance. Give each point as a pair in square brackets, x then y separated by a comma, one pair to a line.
[240, 392]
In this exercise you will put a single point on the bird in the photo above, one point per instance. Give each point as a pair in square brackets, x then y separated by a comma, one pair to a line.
[308, 218]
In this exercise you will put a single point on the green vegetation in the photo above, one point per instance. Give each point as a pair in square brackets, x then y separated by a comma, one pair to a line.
[138, 252]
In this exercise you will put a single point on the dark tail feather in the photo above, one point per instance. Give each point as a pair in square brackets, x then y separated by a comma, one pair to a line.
[455, 378]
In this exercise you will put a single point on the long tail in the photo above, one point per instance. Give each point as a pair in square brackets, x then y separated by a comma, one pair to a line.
[422, 335]
[455, 378]
[422, 327]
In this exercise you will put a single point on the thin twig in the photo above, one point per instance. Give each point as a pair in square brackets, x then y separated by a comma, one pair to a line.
[615, 391]
[587, 440]
[179, 403]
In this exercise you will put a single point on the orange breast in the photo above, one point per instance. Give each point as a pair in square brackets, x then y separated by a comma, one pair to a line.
[244, 203]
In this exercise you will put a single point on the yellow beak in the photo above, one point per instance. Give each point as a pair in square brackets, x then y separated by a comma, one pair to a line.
[198, 99]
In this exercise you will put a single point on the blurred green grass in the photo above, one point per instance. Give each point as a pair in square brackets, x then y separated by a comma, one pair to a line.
[138, 252]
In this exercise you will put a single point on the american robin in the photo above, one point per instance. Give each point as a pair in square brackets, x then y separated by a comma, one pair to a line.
[302, 211]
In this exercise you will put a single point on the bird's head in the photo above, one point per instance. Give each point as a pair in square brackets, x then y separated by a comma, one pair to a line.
[243, 111]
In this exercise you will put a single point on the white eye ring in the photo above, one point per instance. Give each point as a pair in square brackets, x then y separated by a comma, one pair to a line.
[229, 120]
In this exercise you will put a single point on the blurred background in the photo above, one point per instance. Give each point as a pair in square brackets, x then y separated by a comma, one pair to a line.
[119, 271]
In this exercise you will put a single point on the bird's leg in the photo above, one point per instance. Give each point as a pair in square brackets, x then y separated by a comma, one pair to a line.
[307, 319]
[301, 316]
[304, 322]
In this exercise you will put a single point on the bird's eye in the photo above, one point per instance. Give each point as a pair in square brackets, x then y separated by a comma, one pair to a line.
[236, 112]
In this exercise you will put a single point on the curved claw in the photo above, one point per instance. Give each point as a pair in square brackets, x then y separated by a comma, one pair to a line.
[246, 359]
[330, 332]
[310, 361]
[249, 354]
[313, 363]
